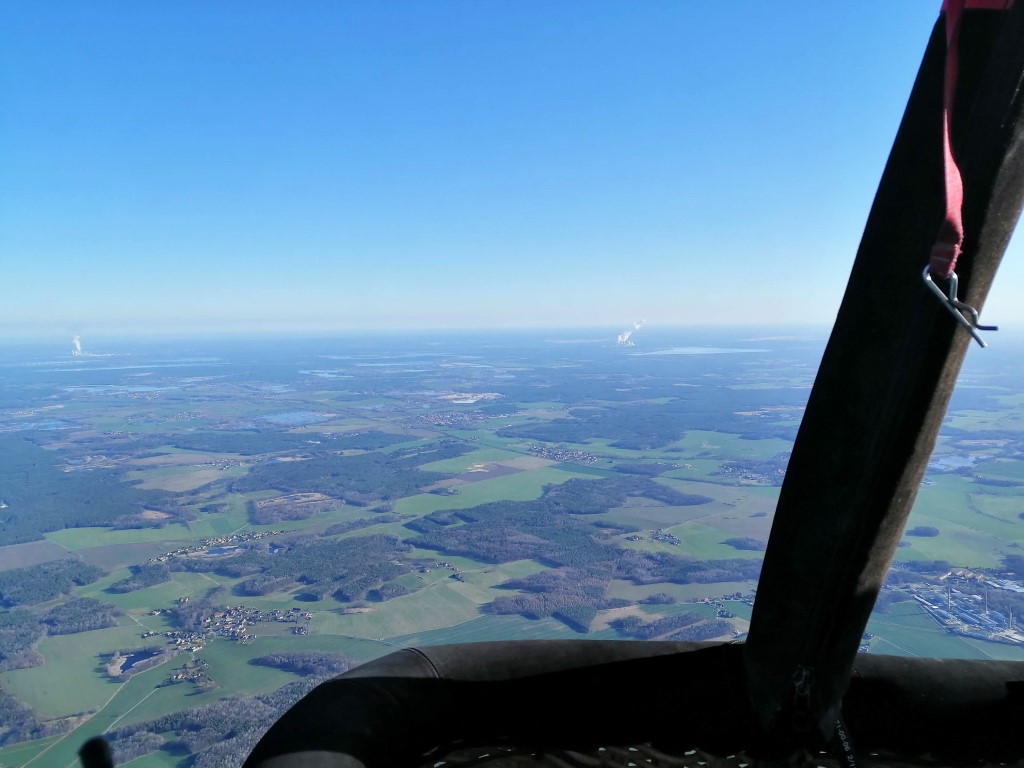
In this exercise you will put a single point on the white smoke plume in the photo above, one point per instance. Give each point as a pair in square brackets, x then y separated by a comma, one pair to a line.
[76, 346]
[624, 340]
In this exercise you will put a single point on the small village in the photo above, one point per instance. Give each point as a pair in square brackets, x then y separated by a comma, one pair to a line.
[659, 534]
[563, 455]
[195, 672]
[233, 624]
[451, 419]
[220, 542]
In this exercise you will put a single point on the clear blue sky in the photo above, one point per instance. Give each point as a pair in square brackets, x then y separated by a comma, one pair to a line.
[273, 165]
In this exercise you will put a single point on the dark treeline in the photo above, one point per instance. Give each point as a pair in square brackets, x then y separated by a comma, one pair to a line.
[636, 627]
[747, 544]
[20, 630]
[571, 595]
[42, 498]
[651, 469]
[1015, 565]
[81, 614]
[704, 631]
[554, 530]
[244, 442]
[222, 734]
[544, 529]
[306, 663]
[442, 517]
[39, 583]
[138, 744]
[659, 598]
[387, 592]
[253, 442]
[588, 497]
[359, 479]
[656, 567]
[142, 576]
[645, 426]
[362, 522]
[686, 626]
[503, 531]
[630, 426]
[348, 568]
[270, 514]
[19, 723]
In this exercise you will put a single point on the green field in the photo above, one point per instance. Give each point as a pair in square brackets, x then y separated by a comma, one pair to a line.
[1006, 508]
[681, 592]
[17, 755]
[120, 556]
[978, 523]
[71, 681]
[141, 699]
[488, 627]
[229, 666]
[522, 486]
[460, 464]
[906, 630]
[975, 526]
[708, 470]
[74, 539]
[158, 596]
[159, 759]
[432, 607]
[30, 553]
[986, 421]
[697, 444]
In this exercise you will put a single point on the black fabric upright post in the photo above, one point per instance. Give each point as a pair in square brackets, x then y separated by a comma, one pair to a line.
[884, 384]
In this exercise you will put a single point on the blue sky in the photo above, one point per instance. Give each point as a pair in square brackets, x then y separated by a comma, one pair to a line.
[258, 165]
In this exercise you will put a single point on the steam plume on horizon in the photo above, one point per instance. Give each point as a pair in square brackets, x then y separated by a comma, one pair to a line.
[623, 338]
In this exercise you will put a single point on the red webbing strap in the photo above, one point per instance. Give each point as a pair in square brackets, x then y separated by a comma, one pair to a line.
[951, 233]
[985, 5]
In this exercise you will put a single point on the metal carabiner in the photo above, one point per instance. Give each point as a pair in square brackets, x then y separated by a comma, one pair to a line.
[957, 307]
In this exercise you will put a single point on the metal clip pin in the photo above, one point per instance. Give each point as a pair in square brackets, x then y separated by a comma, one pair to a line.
[965, 314]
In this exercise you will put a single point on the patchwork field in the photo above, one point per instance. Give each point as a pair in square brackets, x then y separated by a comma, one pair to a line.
[519, 487]
[603, 476]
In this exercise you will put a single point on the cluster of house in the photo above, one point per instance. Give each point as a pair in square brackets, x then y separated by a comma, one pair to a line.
[563, 455]
[194, 671]
[453, 419]
[438, 565]
[236, 623]
[203, 546]
[231, 624]
[184, 640]
[756, 476]
[665, 537]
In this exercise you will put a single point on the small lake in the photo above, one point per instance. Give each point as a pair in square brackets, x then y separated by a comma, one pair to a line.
[138, 657]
